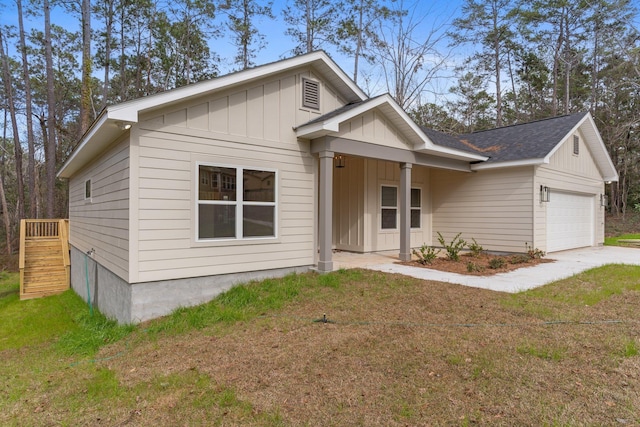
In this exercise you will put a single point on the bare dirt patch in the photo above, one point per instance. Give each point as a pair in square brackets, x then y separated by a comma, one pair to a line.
[481, 265]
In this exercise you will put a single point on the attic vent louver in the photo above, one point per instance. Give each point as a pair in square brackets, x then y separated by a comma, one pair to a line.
[576, 144]
[310, 94]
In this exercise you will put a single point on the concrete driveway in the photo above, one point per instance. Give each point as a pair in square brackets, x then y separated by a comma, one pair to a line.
[566, 264]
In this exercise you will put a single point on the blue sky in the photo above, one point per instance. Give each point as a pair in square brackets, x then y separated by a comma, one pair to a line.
[278, 44]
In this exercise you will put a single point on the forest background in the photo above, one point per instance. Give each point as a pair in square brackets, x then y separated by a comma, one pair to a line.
[457, 66]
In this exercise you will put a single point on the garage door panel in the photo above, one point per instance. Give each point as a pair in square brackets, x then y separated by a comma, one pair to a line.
[570, 221]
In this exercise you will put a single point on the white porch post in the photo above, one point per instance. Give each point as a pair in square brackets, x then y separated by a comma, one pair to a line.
[325, 226]
[405, 211]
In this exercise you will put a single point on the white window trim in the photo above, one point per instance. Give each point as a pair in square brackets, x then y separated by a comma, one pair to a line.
[411, 208]
[238, 203]
[396, 207]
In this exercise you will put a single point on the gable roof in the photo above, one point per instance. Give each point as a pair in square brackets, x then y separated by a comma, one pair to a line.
[530, 143]
[114, 120]
[330, 122]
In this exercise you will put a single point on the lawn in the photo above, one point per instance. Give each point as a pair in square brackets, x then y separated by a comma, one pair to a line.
[353, 347]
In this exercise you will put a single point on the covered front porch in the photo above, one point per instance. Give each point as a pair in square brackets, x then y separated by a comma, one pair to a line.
[373, 200]
[379, 130]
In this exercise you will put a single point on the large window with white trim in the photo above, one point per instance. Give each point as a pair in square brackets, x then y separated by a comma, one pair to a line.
[236, 202]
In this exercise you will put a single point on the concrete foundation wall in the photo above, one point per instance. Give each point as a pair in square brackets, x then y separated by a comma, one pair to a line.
[133, 303]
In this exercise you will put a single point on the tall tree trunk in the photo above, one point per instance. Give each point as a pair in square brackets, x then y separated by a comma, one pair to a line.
[8, 87]
[108, 23]
[5, 209]
[358, 51]
[310, 23]
[497, 65]
[85, 89]
[50, 148]
[31, 162]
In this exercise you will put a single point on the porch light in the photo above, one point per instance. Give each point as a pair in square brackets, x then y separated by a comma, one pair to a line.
[124, 125]
[604, 200]
[339, 161]
[545, 194]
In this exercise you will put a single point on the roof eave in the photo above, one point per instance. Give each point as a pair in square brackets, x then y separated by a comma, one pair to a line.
[103, 129]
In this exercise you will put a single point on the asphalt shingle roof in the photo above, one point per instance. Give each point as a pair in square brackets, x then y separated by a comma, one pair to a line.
[533, 140]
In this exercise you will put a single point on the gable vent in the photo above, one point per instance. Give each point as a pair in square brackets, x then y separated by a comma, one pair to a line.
[310, 94]
[576, 145]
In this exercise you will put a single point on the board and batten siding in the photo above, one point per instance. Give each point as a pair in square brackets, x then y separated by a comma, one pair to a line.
[572, 173]
[102, 223]
[248, 126]
[378, 173]
[348, 205]
[492, 206]
[374, 128]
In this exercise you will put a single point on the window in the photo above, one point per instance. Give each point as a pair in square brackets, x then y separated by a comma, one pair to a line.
[389, 208]
[87, 189]
[310, 94]
[235, 203]
[416, 207]
[576, 144]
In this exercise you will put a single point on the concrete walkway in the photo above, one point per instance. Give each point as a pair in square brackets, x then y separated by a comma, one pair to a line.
[566, 264]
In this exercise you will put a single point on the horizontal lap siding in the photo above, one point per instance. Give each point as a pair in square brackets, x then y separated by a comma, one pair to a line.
[103, 222]
[234, 128]
[494, 207]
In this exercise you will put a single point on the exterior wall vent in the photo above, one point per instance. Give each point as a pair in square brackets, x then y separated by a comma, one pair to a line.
[576, 144]
[310, 94]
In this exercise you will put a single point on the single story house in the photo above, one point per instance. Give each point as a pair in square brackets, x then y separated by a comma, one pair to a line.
[175, 197]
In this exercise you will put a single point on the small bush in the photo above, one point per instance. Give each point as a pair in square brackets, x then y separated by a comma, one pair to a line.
[453, 249]
[534, 253]
[473, 267]
[426, 254]
[475, 248]
[496, 263]
[519, 259]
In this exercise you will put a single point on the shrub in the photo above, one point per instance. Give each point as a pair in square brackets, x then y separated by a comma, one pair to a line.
[453, 249]
[534, 253]
[472, 267]
[475, 248]
[426, 254]
[495, 263]
[520, 259]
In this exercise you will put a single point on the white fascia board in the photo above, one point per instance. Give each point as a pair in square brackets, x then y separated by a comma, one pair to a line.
[129, 111]
[511, 164]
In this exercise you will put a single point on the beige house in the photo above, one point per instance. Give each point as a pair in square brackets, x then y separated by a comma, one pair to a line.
[176, 197]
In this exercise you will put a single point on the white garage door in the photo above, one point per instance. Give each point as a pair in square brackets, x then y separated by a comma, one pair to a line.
[570, 221]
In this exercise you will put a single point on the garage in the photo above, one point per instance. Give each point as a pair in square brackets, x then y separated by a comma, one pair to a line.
[570, 221]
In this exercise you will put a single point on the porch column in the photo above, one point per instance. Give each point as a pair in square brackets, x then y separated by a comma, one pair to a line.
[405, 211]
[325, 217]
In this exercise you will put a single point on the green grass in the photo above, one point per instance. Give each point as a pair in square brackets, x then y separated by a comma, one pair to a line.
[66, 375]
[62, 320]
[613, 241]
[586, 289]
